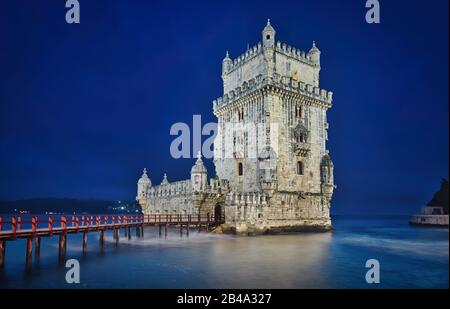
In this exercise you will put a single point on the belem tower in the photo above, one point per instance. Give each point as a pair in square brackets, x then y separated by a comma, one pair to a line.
[273, 170]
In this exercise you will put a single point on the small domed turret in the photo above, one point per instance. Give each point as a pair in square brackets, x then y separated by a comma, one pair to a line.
[226, 64]
[268, 35]
[144, 183]
[314, 54]
[199, 175]
[164, 181]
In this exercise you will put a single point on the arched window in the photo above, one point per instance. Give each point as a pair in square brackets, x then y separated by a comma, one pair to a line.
[268, 37]
[240, 169]
[299, 168]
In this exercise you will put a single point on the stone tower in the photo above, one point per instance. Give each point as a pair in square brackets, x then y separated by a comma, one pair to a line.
[273, 169]
[272, 128]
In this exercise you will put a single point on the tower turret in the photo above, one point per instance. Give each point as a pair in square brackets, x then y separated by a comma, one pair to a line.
[199, 175]
[226, 64]
[164, 181]
[326, 176]
[144, 183]
[314, 54]
[268, 35]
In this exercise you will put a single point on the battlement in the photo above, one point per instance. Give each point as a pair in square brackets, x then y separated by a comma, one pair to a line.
[293, 52]
[185, 187]
[284, 82]
[171, 189]
[245, 57]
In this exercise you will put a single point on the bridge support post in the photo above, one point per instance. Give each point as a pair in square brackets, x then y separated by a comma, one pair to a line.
[138, 232]
[85, 239]
[160, 230]
[129, 233]
[37, 249]
[29, 253]
[62, 247]
[102, 239]
[165, 230]
[142, 231]
[125, 229]
[2, 253]
[116, 235]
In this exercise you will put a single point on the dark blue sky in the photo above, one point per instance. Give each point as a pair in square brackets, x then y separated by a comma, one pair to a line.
[83, 108]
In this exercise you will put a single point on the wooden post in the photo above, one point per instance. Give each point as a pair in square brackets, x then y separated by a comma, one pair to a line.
[77, 223]
[102, 238]
[207, 222]
[64, 223]
[160, 230]
[199, 224]
[142, 230]
[2, 253]
[14, 226]
[50, 225]
[34, 226]
[188, 225]
[116, 232]
[138, 234]
[29, 253]
[85, 239]
[62, 247]
[19, 223]
[129, 232]
[37, 249]
[165, 230]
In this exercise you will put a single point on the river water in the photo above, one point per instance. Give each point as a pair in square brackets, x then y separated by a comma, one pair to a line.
[409, 257]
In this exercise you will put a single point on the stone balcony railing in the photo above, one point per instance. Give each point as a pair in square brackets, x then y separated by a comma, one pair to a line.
[246, 198]
[301, 148]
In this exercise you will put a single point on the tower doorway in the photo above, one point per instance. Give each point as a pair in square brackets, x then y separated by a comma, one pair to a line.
[218, 214]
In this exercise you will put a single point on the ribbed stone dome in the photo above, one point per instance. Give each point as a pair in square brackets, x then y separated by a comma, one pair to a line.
[198, 166]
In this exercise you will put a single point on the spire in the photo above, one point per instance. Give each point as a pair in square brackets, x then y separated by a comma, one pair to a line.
[144, 178]
[314, 48]
[198, 166]
[165, 181]
[199, 156]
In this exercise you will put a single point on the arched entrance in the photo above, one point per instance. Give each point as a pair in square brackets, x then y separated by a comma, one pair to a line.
[218, 214]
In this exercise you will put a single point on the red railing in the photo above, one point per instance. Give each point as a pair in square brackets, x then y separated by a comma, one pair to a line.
[49, 224]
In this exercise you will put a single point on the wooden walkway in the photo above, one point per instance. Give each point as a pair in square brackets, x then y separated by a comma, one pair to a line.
[33, 227]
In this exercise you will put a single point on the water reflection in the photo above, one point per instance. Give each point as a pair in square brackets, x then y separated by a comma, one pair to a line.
[324, 260]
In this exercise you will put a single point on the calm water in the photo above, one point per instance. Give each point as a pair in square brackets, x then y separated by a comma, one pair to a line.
[410, 257]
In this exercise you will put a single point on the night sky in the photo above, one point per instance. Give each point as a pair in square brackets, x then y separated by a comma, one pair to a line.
[83, 108]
